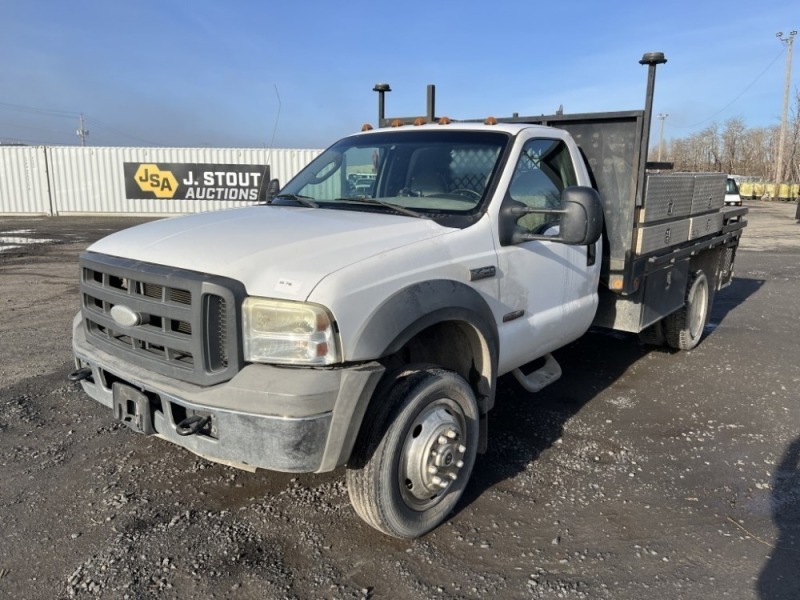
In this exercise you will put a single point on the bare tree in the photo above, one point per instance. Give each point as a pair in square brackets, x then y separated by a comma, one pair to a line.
[735, 148]
[732, 151]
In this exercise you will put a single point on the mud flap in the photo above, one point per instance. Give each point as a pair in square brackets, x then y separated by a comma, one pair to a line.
[132, 407]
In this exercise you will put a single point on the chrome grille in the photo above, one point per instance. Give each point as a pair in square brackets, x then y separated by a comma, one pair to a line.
[186, 321]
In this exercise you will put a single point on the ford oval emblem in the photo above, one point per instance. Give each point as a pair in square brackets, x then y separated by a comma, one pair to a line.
[125, 316]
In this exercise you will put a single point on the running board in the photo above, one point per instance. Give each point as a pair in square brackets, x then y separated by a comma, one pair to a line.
[541, 377]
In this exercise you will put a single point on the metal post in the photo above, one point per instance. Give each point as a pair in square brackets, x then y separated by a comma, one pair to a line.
[663, 117]
[788, 40]
[82, 132]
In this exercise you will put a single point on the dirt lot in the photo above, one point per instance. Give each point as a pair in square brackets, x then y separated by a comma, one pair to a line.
[640, 474]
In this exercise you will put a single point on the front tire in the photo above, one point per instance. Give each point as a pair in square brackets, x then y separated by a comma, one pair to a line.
[415, 452]
[684, 328]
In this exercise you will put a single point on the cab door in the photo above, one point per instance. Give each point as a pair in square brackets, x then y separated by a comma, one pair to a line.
[548, 289]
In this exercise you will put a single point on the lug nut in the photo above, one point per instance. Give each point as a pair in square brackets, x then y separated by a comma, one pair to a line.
[462, 448]
[433, 470]
[437, 480]
[442, 440]
[451, 434]
[460, 463]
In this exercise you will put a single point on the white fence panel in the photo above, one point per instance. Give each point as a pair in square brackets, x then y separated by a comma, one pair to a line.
[92, 179]
[23, 181]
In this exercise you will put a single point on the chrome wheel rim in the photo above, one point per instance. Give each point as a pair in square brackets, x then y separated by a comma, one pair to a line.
[433, 454]
[697, 309]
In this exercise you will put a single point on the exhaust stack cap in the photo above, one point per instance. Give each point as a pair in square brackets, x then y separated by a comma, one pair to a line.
[653, 58]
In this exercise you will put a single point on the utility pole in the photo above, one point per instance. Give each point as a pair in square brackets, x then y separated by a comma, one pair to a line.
[788, 40]
[82, 132]
[663, 117]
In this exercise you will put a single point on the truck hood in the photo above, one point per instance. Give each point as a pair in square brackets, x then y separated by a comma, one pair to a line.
[275, 251]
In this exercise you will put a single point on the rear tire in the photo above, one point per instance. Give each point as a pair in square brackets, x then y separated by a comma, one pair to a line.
[415, 452]
[684, 328]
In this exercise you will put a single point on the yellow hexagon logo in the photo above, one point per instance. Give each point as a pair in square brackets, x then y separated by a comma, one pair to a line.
[150, 178]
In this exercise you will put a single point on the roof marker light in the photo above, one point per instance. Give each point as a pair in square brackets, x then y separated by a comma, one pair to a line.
[445, 121]
[397, 123]
[490, 121]
[366, 127]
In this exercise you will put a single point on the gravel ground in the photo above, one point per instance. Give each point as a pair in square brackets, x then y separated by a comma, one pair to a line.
[640, 474]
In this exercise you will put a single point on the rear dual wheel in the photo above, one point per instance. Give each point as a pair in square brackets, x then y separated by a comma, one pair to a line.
[684, 328]
[415, 453]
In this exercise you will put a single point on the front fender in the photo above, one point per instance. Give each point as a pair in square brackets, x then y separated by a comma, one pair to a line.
[415, 308]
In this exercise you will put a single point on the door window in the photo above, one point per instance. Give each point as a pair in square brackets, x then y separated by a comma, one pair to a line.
[542, 172]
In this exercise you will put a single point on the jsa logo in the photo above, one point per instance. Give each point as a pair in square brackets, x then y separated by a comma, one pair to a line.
[150, 178]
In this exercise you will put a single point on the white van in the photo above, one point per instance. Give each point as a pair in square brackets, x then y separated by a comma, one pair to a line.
[732, 196]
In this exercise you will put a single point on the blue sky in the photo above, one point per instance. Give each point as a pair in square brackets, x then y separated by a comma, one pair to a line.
[237, 73]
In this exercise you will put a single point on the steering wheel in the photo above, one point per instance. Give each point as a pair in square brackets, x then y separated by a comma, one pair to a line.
[467, 193]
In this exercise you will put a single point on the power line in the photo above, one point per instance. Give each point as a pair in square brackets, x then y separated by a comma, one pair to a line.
[112, 129]
[11, 141]
[40, 129]
[40, 111]
[742, 93]
[63, 114]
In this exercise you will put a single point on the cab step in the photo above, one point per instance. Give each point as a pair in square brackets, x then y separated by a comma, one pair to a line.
[536, 380]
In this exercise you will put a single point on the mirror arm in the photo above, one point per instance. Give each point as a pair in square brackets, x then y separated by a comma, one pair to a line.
[519, 211]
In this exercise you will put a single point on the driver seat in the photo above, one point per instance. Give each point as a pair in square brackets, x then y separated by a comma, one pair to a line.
[428, 183]
[429, 172]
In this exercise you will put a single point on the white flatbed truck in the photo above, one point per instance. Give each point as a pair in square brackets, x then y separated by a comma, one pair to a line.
[366, 325]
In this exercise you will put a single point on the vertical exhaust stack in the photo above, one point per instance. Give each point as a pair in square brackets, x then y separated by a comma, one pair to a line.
[652, 60]
[381, 88]
[431, 116]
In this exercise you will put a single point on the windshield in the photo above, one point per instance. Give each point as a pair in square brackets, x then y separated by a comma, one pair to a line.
[431, 173]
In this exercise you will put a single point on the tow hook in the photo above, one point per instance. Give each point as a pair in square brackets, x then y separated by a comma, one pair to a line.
[80, 375]
[191, 425]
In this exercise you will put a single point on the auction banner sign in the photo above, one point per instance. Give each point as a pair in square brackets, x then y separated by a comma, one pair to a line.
[195, 181]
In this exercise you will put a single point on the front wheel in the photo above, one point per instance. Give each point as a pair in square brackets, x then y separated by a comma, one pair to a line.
[415, 452]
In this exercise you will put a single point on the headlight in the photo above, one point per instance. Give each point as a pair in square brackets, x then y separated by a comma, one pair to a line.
[296, 333]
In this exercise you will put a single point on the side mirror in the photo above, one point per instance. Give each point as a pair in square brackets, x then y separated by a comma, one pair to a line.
[581, 221]
[273, 187]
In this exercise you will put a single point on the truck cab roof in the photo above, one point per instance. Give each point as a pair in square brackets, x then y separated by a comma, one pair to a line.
[510, 128]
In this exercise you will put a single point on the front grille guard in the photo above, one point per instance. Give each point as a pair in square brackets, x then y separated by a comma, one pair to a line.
[188, 321]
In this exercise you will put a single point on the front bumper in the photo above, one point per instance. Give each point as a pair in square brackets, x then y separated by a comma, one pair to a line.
[277, 418]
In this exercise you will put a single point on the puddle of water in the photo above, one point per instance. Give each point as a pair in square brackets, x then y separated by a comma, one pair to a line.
[9, 242]
[23, 241]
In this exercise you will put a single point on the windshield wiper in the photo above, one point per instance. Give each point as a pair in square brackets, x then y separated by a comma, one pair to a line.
[395, 207]
[304, 200]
